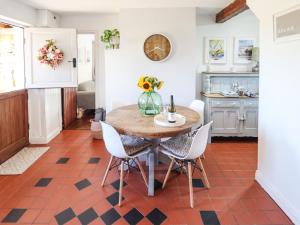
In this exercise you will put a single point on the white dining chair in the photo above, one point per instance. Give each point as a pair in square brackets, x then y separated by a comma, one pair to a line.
[123, 149]
[184, 150]
[198, 106]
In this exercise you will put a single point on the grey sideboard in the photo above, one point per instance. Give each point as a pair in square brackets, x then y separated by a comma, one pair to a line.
[231, 116]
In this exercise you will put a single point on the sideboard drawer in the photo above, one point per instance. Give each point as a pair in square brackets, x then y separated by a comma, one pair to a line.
[226, 103]
[251, 103]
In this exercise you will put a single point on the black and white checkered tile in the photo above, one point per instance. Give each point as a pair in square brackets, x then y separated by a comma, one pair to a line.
[14, 215]
[198, 183]
[62, 160]
[94, 160]
[43, 182]
[134, 216]
[209, 218]
[82, 184]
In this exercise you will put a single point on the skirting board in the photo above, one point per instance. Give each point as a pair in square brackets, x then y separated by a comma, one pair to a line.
[44, 140]
[276, 195]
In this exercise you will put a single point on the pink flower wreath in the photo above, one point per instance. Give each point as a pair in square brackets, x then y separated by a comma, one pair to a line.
[51, 55]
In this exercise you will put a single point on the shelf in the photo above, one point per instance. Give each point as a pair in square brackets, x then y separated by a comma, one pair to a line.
[231, 74]
[218, 95]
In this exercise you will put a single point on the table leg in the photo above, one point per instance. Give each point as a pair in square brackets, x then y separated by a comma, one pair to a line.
[152, 162]
[151, 176]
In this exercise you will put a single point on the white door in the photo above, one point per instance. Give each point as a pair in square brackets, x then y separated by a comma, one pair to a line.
[40, 75]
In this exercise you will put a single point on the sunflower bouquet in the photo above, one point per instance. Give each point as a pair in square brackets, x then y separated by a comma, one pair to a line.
[149, 83]
[150, 101]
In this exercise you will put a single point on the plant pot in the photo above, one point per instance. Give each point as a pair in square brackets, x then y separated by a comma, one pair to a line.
[150, 103]
[115, 42]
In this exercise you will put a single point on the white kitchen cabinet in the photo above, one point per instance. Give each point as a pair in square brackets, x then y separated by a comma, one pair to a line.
[45, 114]
[226, 120]
[250, 118]
[232, 116]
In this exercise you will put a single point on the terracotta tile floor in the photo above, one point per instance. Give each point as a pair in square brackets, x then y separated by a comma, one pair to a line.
[63, 187]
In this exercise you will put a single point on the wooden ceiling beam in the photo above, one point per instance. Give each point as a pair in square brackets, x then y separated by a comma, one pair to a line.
[3, 25]
[235, 8]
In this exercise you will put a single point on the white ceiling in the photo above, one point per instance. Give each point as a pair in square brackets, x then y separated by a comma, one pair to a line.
[113, 6]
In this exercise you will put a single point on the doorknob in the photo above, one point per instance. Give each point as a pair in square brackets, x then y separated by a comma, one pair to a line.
[73, 61]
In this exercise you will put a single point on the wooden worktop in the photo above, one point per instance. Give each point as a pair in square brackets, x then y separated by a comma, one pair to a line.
[218, 95]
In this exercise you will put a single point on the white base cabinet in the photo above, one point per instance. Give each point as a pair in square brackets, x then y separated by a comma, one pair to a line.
[232, 117]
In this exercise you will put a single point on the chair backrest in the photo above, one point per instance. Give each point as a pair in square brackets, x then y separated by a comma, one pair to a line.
[113, 141]
[199, 142]
[198, 106]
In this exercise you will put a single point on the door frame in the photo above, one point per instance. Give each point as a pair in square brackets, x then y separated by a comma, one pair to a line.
[96, 61]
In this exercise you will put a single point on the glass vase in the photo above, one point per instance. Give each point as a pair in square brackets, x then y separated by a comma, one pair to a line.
[150, 103]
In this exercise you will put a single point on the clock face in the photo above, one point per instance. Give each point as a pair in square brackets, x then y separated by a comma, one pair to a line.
[157, 47]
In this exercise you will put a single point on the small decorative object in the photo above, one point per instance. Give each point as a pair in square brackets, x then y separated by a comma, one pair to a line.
[100, 114]
[157, 47]
[96, 129]
[80, 112]
[243, 50]
[215, 50]
[255, 59]
[286, 25]
[111, 38]
[149, 101]
[51, 55]
[162, 120]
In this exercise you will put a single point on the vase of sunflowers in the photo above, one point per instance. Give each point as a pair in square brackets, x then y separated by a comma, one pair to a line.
[149, 101]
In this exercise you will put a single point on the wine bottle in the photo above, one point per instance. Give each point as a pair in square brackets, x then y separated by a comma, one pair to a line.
[172, 111]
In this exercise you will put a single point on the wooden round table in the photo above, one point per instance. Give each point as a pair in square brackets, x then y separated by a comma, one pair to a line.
[129, 121]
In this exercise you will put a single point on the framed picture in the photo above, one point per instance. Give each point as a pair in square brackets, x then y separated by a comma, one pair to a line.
[243, 47]
[286, 25]
[215, 50]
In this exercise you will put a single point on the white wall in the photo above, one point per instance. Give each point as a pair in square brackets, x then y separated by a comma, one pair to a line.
[243, 25]
[17, 12]
[279, 120]
[124, 66]
[89, 23]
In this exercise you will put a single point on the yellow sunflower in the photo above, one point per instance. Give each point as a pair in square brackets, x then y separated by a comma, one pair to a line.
[160, 84]
[147, 86]
[141, 81]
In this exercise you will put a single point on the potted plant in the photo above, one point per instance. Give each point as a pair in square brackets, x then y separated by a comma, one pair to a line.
[150, 101]
[111, 38]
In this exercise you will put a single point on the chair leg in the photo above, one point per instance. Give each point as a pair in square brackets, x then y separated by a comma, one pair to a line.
[142, 171]
[191, 185]
[203, 156]
[107, 169]
[121, 182]
[204, 173]
[168, 173]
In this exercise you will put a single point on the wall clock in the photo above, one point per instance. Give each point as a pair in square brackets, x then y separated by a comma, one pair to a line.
[157, 47]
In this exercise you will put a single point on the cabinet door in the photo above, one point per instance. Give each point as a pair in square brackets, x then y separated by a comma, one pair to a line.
[250, 121]
[226, 120]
